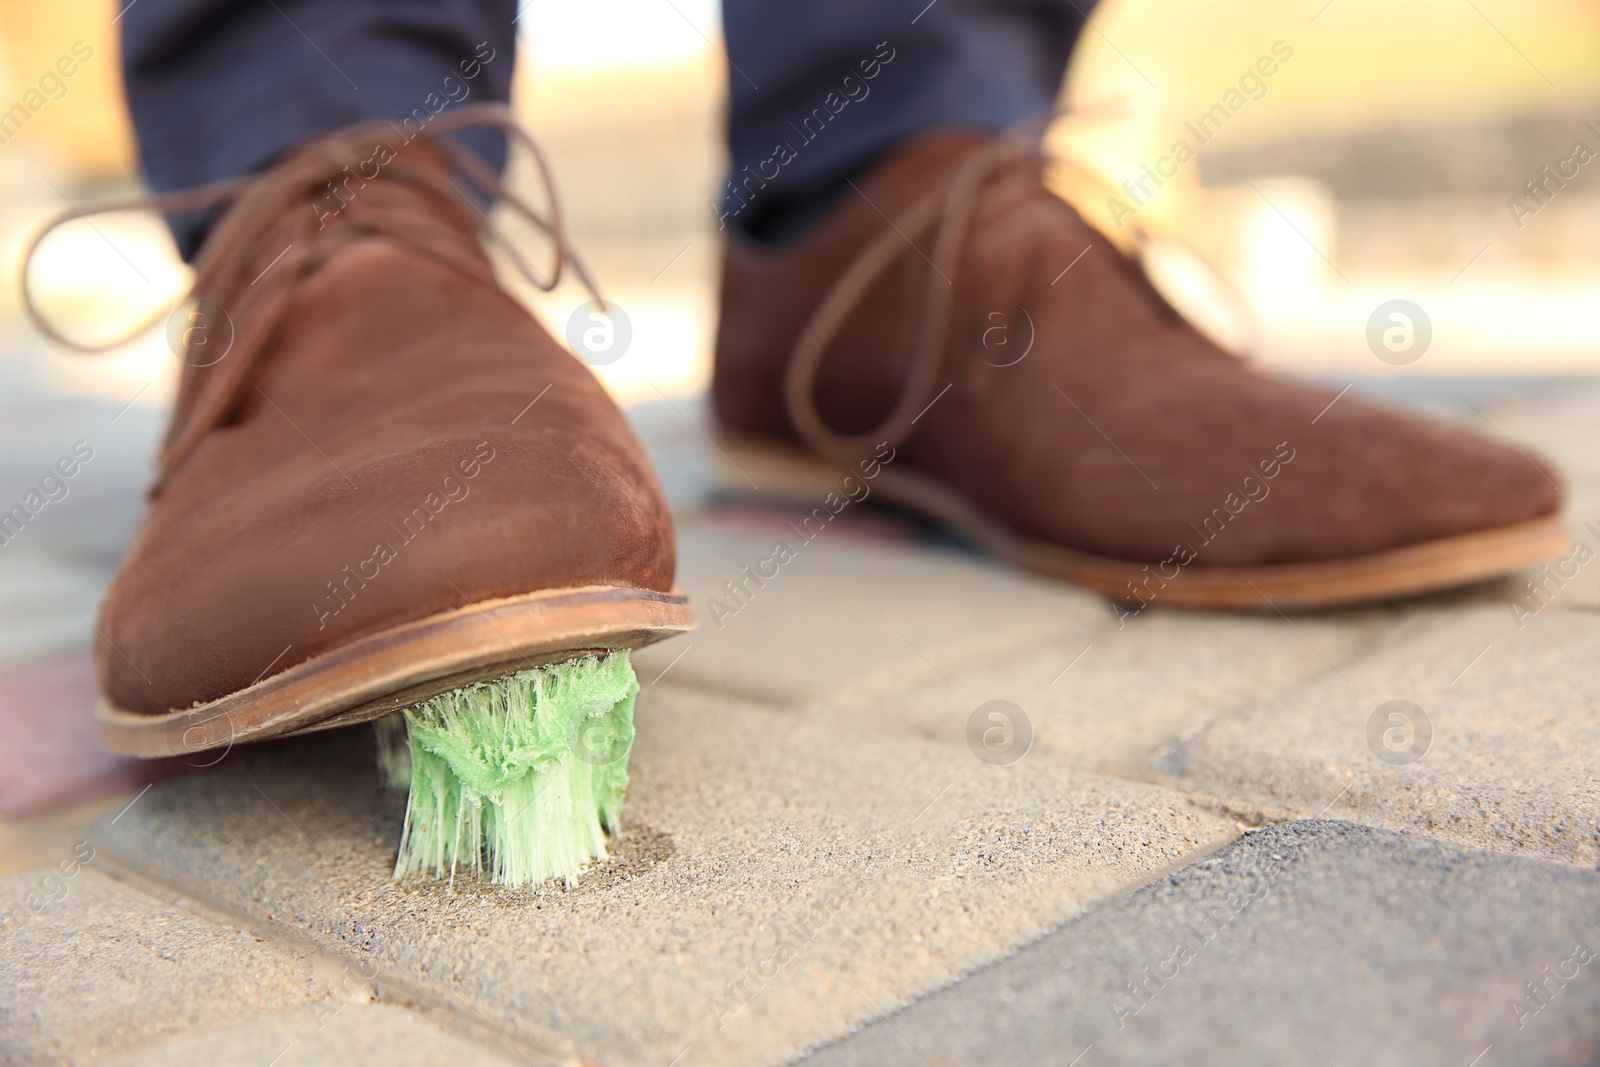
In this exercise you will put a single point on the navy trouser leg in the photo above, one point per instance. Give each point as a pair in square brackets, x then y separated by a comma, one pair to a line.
[219, 88]
[819, 89]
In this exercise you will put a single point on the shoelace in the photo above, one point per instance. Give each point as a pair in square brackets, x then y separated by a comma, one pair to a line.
[236, 245]
[946, 210]
[950, 206]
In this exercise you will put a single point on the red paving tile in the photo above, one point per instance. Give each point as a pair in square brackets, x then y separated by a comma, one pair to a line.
[50, 758]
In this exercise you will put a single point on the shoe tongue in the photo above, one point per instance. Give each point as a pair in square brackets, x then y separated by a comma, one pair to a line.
[326, 186]
[364, 190]
[917, 165]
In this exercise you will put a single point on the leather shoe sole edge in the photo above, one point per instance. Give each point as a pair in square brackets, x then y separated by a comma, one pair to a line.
[798, 476]
[394, 668]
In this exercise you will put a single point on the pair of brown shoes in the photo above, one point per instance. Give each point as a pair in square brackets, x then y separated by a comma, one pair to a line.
[395, 480]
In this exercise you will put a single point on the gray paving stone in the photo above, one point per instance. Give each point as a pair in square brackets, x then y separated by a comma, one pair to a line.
[908, 640]
[357, 1033]
[911, 639]
[95, 971]
[803, 784]
[1122, 700]
[853, 615]
[1501, 754]
[779, 881]
[1312, 942]
[92, 970]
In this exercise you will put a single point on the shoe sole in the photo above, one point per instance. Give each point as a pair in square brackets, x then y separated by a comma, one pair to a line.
[395, 668]
[1449, 562]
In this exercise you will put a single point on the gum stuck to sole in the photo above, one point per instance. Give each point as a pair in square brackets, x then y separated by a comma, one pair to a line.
[517, 780]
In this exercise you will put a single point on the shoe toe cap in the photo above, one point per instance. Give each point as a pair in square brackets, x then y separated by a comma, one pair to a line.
[218, 591]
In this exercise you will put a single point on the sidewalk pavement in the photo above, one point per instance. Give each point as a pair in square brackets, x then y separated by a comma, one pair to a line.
[1199, 838]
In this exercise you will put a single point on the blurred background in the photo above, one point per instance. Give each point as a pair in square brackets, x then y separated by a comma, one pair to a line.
[1378, 164]
[1381, 161]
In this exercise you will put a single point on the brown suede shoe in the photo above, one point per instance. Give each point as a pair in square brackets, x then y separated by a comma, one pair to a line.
[392, 482]
[990, 360]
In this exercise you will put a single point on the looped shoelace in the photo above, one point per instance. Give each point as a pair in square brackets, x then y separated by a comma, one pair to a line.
[949, 206]
[235, 246]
